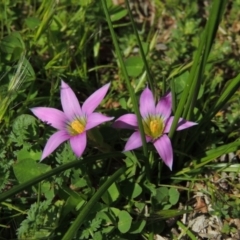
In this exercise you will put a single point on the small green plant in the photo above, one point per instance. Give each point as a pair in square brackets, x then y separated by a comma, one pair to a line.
[124, 176]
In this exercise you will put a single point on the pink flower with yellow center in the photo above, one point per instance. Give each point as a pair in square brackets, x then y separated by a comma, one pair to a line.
[156, 123]
[73, 123]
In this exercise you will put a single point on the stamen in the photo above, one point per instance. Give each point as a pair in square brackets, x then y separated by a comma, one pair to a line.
[76, 127]
[153, 127]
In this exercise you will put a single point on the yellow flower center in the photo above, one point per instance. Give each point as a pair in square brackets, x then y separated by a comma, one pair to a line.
[76, 127]
[153, 126]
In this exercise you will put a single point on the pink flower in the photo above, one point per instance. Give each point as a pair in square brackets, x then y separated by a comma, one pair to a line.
[74, 121]
[156, 123]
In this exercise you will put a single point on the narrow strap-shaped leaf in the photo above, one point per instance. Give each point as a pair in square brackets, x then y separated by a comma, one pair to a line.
[149, 77]
[210, 156]
[55, 171]
[208, 39]
[191, 90]
[124, 71]
[231, 88]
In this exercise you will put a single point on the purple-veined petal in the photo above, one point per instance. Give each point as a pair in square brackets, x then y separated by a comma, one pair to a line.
[182, 124]
[147, 104]
[135, 141]
[78, 143]
[52, 116]
[168, 124]
[95, 119]
[70, 103]
[128, 121]
[53, 142]
[164, 106]
[95, 99]
[164, 148]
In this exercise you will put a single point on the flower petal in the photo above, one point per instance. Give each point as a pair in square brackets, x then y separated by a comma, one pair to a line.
[168, 124]
[128, 121]
[135, 141]
[78, 143]
[70, 103]
[52, 116]
[147, 104]
[95, 119]
[164, 148]
[53, 142]
[164, 106]
[182, 124]
[95, 99]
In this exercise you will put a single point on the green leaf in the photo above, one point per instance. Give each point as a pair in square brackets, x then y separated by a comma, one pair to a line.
[134, 66]
[108, 229]
[13, 45]
[96, 138]
[107, 217]
[27, 169]
[226, 228]
[137, 227]
[151, 188]
[29, 73]
[123, 103]
[140, 206]
[119, 14]
[162, 194]
[125, 221]
[186, 230]
[115, 211]
[85, 3]
[47, 190]
[24, 153]
[73, 202]
[32, 22]
[180, 82]
[11, 42]
[111, 195]
[173, 196]
[23, 128]
[131, 189]
[74, 199]
[137, 190]
[97, 236]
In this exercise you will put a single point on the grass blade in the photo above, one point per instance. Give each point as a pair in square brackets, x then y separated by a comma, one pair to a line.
[149, 77]
[194, 80]
[55, 171]
[125, 74]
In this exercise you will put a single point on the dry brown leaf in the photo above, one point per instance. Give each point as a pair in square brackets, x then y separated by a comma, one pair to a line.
[201, 205]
